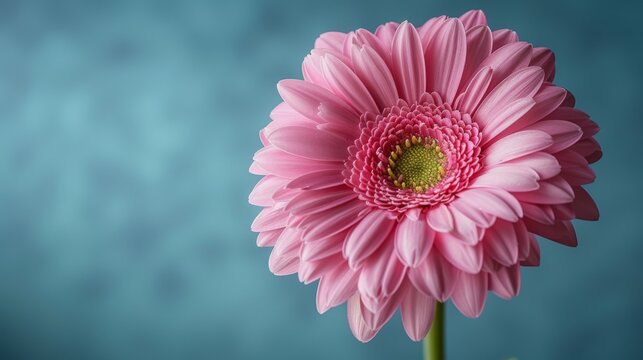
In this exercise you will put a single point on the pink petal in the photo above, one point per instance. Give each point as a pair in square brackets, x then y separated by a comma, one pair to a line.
[408, 63]
[552, 191]
[381, 276]
[521, 84]
[465, 228]
[468, 101]
[375, 74]
[544, 58]
[503, 37]
[335, 287]
[316, 250]
[317, 180]
[508, 177]
[333, 221]
[505, 282]
[541, 213]
[367, 39]
[269, 219]
[430, 28]
[310, 143]
[575, 169]
[344, 82]
[562, 231]
[478, 49]
[547, 100]
[470, 294]
[435, 276]
[306, 97]
[413, 240]
[516, 145]
[544, 164]
[482, 200]
[367, 236]
[310, 271]
[469, 207]
[439, 218]
[522, 234]
[377, 319]
[473, 18]
[584, 206]
[507, 60]
[445, 59]
[356, 322]
[315, 201]
[463, 256]
[417, 314]
[331, 40]
[268, 238]
[261, 195]
[312, 70]
[285, 165]
[500, 242]
[506, 116]
[564, 133]
[284, 258]
[534, 253]
[386, 32]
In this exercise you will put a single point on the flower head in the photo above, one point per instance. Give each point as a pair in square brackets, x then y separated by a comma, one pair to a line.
[415, 165]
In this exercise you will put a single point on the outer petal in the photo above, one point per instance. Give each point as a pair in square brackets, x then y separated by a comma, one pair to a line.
[440, 219]
[375, 74]
[516, 145]
[380, 278]
[473, 18]
[445, 59]
[367, 236]
[507, 60]
[309, 143]
[435, 276]
[470, 294]
[507, 177]
[413, 240]
[478, 49]
[501, 243]
[408, 63]
[356, 322]
[505, 282]
[335, 287]
[464, 257]
[417, 314]
[344, 81]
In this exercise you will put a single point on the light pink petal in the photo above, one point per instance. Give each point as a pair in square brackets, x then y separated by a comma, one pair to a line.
[469, 100]
[356, 322]
[435, 276]
[507, 60]
[478, 49]
[552, 191]
[335, 287]
[584, 206]
[375, 74]
[367, 39]
[505, 282]
[521, 84]
[331, 40]
[516, 145]
[470, 294]
[285, 165]
[500, 242]
[544, 58]
[482, 200]
[316, 250]
[344, 82]
[367, 236]
[314, 201]
[506, 116]
[261, 195]
[330, 222]
[439, 218]
[317, 180]
[413, 240]
[305, 98]
[311, 69]
[471, 208]
[408, 63]
[503, 37]
[564, 133]
[562, 231]
[544, 164]
[463, 256]
[429, 29]
[473, 18]
[534, 253]
[544, 214]
[269, 219]
[268, 238]
[377, 319]
[417, 314]
[284, 258]
[464, 229]
[310, 143]
[445, 59]
[312, 270]
[508, 177]
[547, 100]
[381, 276]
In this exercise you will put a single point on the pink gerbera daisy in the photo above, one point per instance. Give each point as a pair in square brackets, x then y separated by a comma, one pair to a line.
[415, 165]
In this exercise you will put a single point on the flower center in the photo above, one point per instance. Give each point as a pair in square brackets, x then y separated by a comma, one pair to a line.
[417, 163]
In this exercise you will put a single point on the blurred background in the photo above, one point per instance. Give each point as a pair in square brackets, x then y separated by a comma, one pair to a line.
[126, 132]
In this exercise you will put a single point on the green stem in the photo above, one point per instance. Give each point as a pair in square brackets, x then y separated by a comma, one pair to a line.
[434, 341]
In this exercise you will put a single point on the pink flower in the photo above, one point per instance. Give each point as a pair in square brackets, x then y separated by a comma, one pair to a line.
[415, 165]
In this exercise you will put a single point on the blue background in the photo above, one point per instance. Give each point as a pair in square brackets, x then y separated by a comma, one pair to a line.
[126, 132]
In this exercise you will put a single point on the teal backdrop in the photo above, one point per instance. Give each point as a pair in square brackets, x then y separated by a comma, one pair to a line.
[126, 132]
